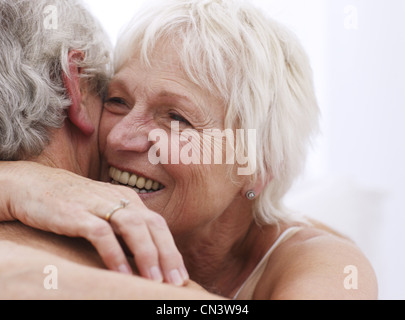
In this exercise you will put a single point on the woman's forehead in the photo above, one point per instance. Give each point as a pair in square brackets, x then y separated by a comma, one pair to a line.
[163, 80]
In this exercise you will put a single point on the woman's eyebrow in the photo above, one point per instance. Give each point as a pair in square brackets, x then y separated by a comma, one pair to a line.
[195, 109]
[197, 105]
[117, 82]
[168, 94]
[180, 97]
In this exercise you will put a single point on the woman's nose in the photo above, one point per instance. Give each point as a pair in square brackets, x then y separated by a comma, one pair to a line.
[130, 135]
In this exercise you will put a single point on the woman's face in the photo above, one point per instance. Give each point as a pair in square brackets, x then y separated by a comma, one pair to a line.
[161, 100]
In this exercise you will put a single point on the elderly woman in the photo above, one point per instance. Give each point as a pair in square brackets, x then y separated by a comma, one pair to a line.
[186, 70]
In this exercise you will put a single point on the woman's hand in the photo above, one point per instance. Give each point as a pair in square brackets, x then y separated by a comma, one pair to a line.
[61, 202]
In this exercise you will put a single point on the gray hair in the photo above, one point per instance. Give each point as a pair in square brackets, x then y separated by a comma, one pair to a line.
[254, 65]
[33, 57]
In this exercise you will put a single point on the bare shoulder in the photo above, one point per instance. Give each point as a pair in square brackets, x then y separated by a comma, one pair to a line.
[7, 249]
[317, 264]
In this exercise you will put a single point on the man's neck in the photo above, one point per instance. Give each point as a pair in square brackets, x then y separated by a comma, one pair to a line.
[69, 152]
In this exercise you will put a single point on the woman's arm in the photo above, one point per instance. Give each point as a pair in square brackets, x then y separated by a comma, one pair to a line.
[61, 202]
[28, 274]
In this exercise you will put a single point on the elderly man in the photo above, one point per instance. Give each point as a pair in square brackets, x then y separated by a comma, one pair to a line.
[54, 69]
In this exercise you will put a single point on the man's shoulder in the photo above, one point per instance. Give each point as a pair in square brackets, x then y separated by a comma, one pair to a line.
[73, 249]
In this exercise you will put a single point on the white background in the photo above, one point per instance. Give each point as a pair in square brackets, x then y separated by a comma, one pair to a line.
[355, 179]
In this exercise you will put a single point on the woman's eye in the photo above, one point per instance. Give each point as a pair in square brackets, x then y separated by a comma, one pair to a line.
[116, 106]
[116, 100]
[176, 117]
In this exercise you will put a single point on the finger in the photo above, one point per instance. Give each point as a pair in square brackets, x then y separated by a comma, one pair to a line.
[102, 237]
[134, 231]
[171, 261]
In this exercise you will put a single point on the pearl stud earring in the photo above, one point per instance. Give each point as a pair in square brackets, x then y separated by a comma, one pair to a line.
[250, 195]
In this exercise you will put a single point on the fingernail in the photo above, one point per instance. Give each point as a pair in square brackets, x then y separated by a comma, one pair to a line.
[175, 278]
[184, 274]
[124, 269]
[156, 274]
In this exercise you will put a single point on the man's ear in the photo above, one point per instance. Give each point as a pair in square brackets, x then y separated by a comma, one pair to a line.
[77, 113]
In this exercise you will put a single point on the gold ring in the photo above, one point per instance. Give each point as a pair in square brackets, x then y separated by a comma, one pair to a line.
[123, 204]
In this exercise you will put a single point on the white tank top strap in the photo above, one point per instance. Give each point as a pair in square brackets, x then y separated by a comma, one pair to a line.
[247, 289]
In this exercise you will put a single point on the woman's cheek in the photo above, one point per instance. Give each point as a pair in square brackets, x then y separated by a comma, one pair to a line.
[106, 125]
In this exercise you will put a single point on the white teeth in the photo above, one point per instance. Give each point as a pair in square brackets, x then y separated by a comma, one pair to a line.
[112, 172]
[124, 178]
[148, 184]
[139, 184]
[117, 175]
[155, 186]
[132, 181]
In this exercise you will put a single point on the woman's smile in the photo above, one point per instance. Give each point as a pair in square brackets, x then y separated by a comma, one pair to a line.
[140, 183]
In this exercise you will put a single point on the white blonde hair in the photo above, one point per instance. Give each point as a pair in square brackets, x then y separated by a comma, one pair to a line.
[33, 57]
[255, 65]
